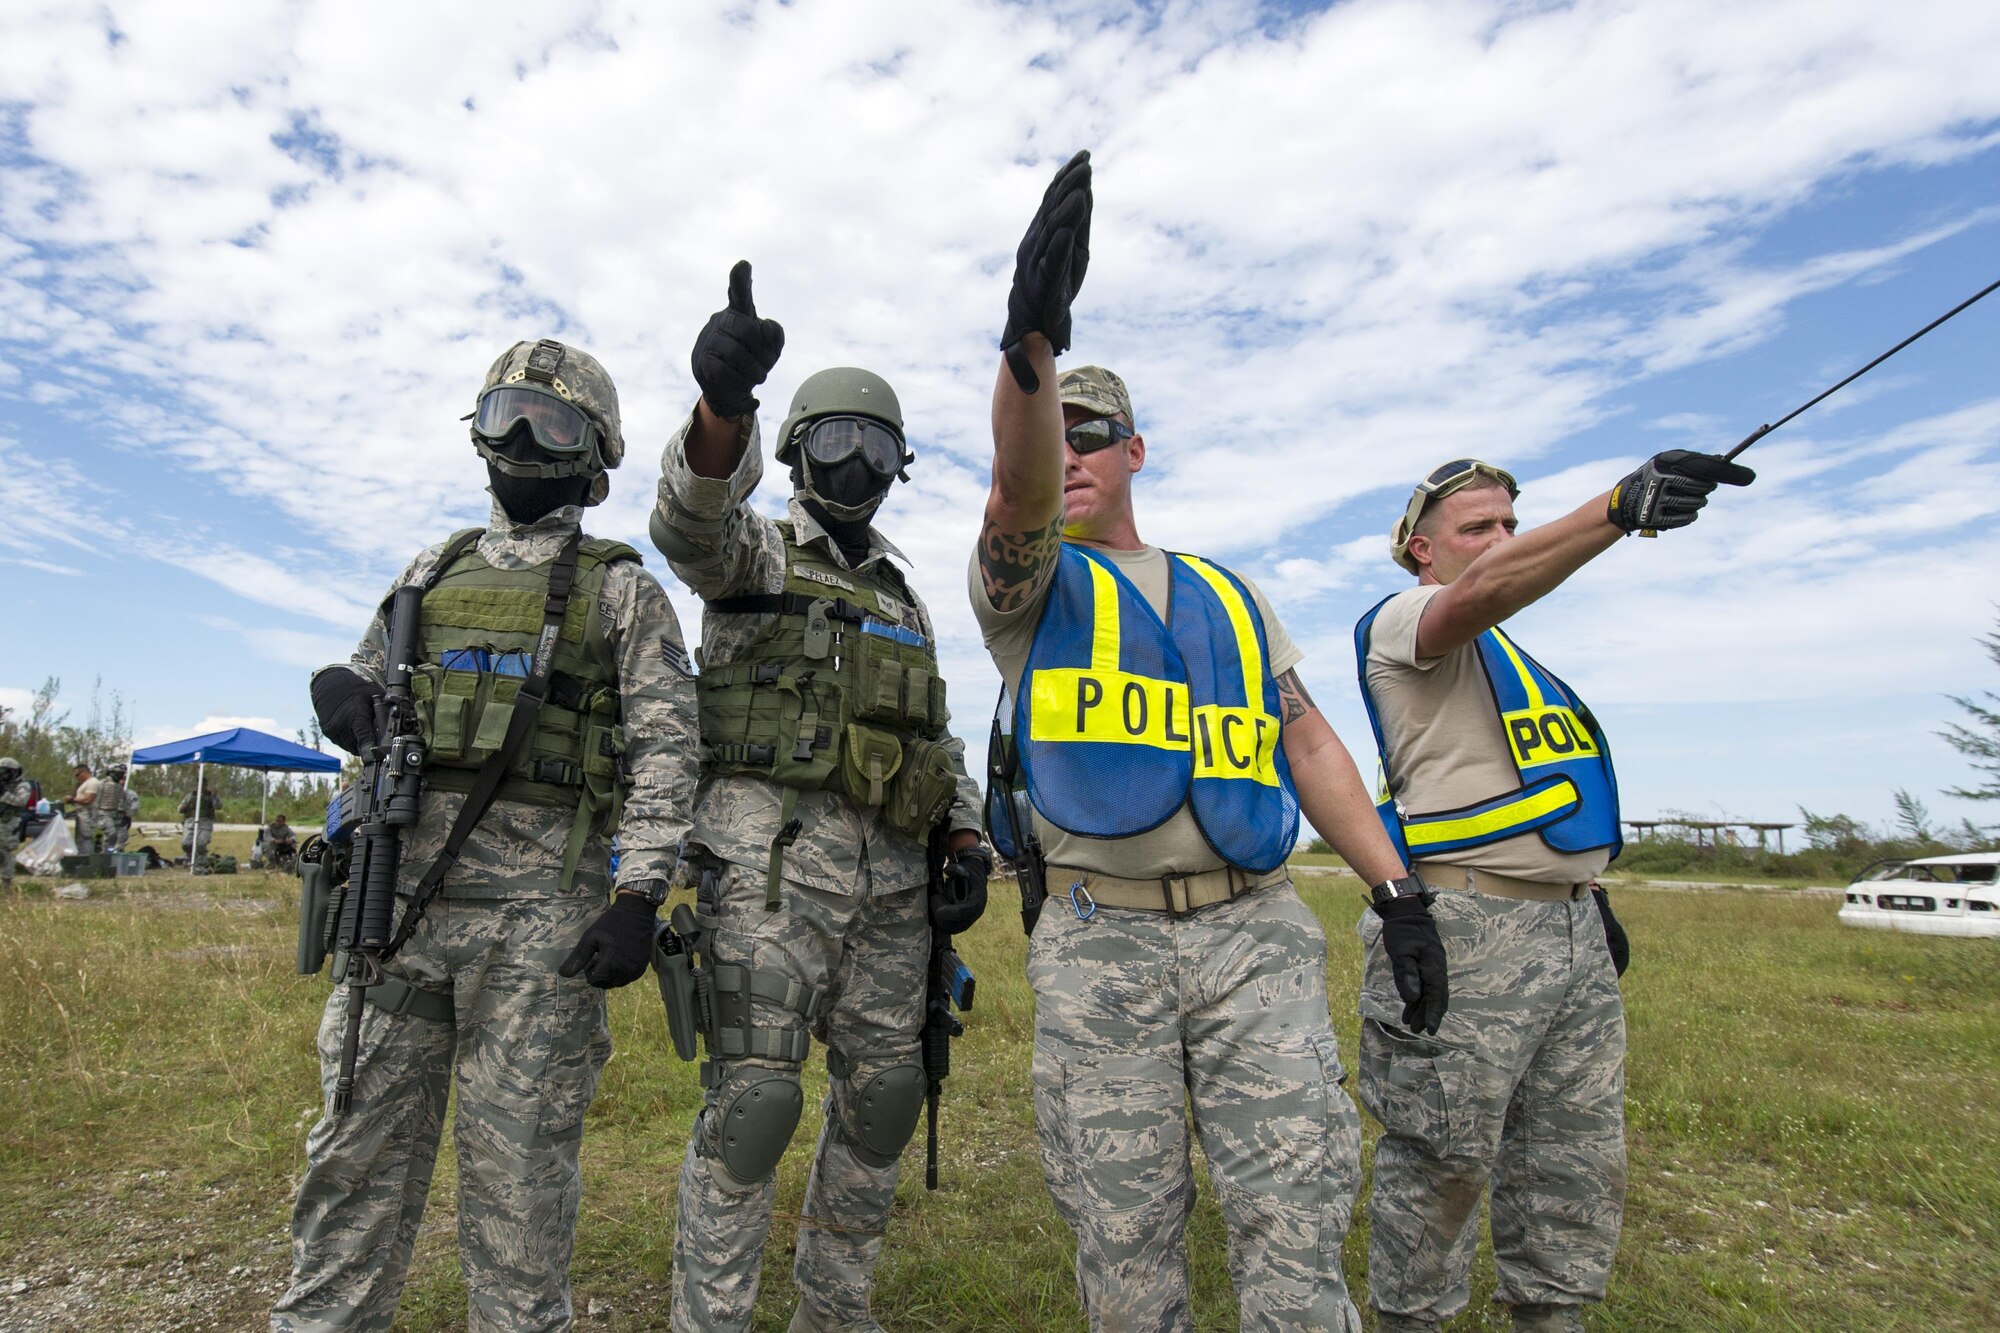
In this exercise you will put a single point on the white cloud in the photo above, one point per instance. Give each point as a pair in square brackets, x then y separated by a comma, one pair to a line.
[269, 249]
[214, 722]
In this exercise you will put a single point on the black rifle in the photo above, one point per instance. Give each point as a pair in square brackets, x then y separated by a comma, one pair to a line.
[391, 783]
[948, 982]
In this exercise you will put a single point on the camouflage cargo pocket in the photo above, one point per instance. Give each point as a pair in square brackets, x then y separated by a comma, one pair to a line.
[1417, 1089]
[579, 1044]
[1340, 1164]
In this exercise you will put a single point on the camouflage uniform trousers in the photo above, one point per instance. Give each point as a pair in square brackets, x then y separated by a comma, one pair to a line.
[865, 954]
[1522, 1088]
[91, 831]
[524, 1051]
[10, 828]
[1138, 1013]
[195, 836]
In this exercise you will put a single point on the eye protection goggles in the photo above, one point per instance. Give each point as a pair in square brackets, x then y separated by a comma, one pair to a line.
[832, 440]
[1444, 480]
[559, 426]
[1087, 437]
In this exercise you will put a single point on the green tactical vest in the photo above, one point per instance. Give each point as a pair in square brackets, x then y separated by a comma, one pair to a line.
[571, 758]
[835, 693]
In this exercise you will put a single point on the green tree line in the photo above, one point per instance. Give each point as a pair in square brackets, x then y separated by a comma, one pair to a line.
[49, 744]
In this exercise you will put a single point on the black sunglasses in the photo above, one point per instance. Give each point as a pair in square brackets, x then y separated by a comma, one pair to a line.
[1087, 437]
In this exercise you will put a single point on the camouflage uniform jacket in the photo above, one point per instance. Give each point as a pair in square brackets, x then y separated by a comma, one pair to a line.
[742, 552]
[517, 849]
[14, 800]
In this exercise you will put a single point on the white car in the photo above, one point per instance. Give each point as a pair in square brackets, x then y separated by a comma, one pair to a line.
[1937, 895]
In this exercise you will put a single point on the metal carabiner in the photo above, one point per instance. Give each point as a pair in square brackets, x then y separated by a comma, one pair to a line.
[1081, 902]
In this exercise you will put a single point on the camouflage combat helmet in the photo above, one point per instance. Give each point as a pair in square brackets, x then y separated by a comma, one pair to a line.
[10, 765]
[841, 391]
[579, 379]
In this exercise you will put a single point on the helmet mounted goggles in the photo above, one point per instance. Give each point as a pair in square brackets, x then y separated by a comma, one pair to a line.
[832, 440]
[1446, 479]
[569, 438]
[559, 426]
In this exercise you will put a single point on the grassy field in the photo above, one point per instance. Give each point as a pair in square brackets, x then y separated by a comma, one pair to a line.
[1814, 1111]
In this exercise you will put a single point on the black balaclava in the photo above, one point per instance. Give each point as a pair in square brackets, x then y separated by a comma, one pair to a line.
[528, 498]
[842, 499]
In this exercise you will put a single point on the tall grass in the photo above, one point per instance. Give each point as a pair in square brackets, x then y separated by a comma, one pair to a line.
[1814, 1136]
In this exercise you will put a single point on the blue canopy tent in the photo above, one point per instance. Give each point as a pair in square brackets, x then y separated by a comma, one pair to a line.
[239, 747]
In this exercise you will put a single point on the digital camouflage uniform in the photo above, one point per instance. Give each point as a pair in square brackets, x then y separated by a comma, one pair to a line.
[197, 833]
[851, 930]
[524, 1047]
[1522, 1088]
[14, 798]
[117, 804]
[1143, 1015]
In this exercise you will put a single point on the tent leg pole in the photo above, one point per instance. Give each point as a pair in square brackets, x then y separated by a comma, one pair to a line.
[194, 830]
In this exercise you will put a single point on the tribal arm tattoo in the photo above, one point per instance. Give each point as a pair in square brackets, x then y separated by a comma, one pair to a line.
[1293, 701]
[1011, 563]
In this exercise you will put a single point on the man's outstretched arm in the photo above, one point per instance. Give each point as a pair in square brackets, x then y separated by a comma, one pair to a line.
[1022, 530]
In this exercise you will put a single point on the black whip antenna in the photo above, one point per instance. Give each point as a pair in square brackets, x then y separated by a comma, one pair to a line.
[1764, 430]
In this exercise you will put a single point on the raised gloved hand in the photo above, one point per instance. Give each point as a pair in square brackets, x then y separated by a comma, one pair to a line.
[1416, 960]
[961, 899]
[615, 948]
[1048, 269]
[1670, 488]
[1614, 934]
[344, 701]
[736, 350]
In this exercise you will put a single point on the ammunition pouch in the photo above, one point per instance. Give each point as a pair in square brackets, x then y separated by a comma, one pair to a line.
[837, 692]
[478, 621]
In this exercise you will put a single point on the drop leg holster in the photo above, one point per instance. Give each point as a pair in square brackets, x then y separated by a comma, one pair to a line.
[718, 997]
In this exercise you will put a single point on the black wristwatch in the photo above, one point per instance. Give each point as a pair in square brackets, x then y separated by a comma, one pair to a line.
[652, 891]
[1409, 886]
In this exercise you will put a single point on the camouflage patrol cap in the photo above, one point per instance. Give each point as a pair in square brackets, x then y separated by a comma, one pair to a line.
[576, 376]
[1095, 390]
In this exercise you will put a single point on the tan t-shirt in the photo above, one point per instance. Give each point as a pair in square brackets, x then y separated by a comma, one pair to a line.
[1442, 730]
[1177, 846]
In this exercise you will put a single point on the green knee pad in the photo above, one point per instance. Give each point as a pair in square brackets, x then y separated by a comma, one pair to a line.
[756, 1125]
[878, 1114]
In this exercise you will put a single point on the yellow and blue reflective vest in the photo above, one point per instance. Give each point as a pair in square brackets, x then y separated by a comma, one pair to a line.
[1568, 792]
[1122, 718]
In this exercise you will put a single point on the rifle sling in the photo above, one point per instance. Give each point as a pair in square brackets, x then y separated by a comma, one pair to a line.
[527, 705]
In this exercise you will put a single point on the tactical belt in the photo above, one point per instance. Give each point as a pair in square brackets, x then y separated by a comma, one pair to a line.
[1176, 895]
[393, 995]
[1438, 875]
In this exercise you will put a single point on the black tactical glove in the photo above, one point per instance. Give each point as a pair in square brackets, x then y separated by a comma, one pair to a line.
[961, 899]
[344, 701]
[736, 350]
[1614, 934]
[1669, 489]
[1417, 960]
[1048, 269]
[615, 948]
